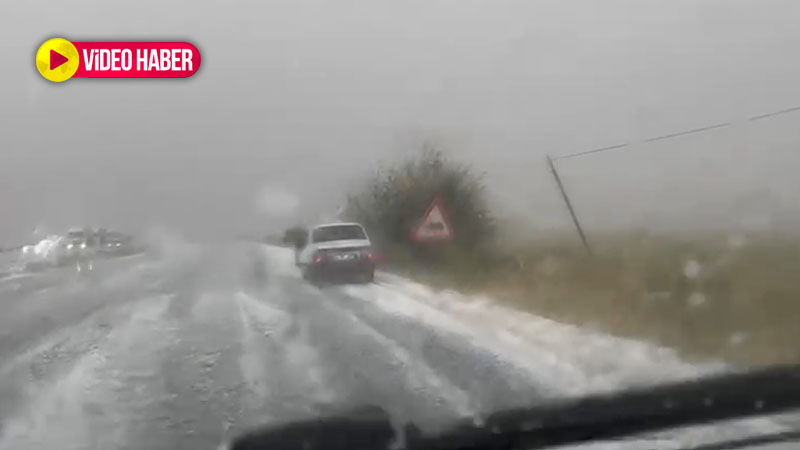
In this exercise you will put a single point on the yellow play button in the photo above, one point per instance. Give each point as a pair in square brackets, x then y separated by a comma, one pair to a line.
[57, 60]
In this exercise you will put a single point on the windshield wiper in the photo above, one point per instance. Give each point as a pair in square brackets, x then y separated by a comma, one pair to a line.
[751, 441]
[366, 428]
[591, 418]
[608, 416]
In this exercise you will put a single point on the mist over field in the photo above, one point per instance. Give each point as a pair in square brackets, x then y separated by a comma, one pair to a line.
[305, 98]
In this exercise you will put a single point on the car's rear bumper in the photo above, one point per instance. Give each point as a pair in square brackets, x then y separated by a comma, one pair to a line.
[341, 269]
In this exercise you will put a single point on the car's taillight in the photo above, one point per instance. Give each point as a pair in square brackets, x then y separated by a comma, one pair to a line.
[317, 258]
[372, 256]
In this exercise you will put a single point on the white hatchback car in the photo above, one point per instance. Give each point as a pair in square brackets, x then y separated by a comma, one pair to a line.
[336, 249]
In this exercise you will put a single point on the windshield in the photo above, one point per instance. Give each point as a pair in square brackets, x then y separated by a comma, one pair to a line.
[217, 215]
[337, 233]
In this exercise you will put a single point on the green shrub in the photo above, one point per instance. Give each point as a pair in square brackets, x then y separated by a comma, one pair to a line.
[395, 199]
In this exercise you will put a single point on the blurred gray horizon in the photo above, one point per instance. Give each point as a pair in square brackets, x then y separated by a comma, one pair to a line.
[296, 101]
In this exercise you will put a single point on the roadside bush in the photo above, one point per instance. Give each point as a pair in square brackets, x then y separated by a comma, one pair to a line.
[394, 200]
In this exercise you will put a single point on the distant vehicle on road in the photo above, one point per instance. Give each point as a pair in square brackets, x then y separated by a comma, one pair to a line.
[336, 250]
[79, 244]
[113, 243]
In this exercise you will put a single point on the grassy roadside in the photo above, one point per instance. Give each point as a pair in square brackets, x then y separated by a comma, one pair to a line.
[712, 295]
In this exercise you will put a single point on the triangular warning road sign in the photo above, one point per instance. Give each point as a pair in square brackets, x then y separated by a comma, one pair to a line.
[434, 225]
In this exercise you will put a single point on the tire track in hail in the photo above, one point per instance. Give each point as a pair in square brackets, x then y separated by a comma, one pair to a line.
[279, 364]
[91, 402]
[481, 367]
[34, 319]
[200, 392]
[40, 351]
[490, 381]
[367, 368]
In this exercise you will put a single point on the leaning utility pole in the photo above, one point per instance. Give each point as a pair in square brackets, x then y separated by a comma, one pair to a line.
[569, 204]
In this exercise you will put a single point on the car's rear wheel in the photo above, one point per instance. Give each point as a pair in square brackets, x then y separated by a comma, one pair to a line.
[368, 276]
[308, 273]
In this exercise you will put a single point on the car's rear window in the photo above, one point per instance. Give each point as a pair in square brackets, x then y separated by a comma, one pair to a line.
[337, 233]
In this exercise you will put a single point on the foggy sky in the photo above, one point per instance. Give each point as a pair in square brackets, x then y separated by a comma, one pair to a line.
[297, 99]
